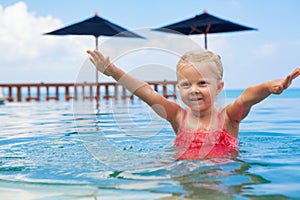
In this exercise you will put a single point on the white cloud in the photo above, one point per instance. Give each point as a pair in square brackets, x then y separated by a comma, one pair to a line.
[21, 36]
[25, 50]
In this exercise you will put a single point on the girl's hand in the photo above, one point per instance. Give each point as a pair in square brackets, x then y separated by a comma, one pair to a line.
[278, 86]
[102, 63]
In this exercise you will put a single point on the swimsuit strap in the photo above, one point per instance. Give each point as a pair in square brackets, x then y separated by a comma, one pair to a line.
[219, 119]
[184, 118]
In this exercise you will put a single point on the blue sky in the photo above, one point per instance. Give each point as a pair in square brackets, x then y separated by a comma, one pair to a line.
[249, 57]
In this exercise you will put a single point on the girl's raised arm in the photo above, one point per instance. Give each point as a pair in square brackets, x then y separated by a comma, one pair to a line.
[163, 107]
[240, 108]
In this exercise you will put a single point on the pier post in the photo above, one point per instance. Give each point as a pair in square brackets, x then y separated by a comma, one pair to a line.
[10, 97]
[67, 95]
[19, 93]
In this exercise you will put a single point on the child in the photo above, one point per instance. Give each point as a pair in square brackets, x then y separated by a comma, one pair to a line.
[202, 130]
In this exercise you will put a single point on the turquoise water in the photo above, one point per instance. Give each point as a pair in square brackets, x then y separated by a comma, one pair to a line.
[61, 150]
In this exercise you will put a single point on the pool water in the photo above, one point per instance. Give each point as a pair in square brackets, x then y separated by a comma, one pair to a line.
[61, 150]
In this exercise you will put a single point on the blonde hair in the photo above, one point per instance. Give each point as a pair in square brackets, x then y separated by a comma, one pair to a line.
[196, 58]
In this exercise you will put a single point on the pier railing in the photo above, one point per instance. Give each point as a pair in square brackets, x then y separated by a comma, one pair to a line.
[79, 91]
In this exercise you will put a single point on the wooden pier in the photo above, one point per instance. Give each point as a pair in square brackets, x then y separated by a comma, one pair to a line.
[79, 91]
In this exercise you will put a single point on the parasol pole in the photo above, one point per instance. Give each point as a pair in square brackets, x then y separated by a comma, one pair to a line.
[206, 31]
[205, 40]
[205, 35]
[97, 75]
[97, 85]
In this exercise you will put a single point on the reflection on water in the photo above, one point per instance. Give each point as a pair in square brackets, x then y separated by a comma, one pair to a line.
[56, 151]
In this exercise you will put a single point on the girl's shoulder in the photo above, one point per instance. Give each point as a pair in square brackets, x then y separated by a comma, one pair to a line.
[229, 125]
[178, 119]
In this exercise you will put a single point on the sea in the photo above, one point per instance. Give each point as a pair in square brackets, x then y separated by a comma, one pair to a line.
[122, 150]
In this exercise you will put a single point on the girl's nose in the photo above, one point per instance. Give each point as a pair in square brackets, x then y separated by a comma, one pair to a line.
[195, 89]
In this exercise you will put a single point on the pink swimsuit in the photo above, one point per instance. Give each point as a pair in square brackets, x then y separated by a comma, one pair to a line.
[199, 145]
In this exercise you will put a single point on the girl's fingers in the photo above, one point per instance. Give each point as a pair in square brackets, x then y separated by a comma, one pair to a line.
[295, 73]
[288, 80]
[92, 60]
[97, 57]
[97, 53]
[92, 54]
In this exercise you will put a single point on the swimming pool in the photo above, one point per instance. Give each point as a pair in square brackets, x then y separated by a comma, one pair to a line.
[54, 150]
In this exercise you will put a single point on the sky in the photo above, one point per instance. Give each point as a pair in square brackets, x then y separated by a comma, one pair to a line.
[249, 57]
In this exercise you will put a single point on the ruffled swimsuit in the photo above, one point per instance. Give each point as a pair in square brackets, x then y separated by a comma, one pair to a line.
[199, 145]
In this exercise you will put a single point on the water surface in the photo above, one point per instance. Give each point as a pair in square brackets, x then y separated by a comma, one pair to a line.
[57, 150]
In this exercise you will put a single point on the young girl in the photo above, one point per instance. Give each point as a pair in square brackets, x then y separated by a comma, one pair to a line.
[202, 130]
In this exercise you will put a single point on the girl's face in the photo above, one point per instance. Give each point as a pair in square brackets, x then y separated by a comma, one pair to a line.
[198, 86]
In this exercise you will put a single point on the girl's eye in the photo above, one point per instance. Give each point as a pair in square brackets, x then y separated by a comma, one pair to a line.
[185, 84]
[202, 83]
